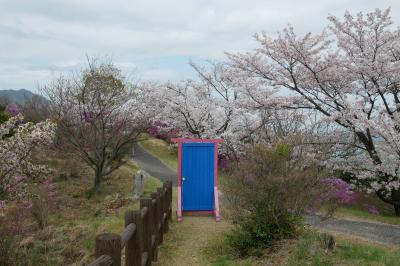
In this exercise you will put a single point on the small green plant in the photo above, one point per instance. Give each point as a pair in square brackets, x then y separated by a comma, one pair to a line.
[40, 212]
[88, 193]
[310, 250]
[96, 212]
[61, 177]
[7, 254]
[327, 241]
[15, 250]
[43, 203]
[243, 242]
[3, 116]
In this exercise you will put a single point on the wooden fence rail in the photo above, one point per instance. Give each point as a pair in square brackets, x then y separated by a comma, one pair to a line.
[144, 231]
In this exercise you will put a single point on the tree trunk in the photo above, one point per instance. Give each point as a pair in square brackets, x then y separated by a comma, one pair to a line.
[394, 200]
[395, 197]
[396, 209]
[97, 181]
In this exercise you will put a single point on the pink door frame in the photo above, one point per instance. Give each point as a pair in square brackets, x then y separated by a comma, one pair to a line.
[216, 200]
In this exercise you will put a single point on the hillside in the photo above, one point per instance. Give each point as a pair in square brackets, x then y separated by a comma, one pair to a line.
[17, 96]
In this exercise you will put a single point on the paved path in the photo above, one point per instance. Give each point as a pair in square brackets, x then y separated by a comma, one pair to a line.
[153, 165]
[379, 232]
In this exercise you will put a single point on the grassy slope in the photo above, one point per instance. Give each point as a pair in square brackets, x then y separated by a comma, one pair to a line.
[161, 150]
[201, 241]
[355, 212]
[308, 251]
[70, 236]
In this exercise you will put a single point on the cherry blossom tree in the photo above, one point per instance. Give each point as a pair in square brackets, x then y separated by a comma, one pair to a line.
[17, 142]
[216, 106]
[100, 115]
[207, 107]
[201, 108]
[350, 75]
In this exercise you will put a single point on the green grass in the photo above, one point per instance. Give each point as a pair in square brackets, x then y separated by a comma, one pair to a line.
[70, 236]
[308, 251]
[92, 217]
[161, 150]
[357, 212]
[92, 220]
[219, 253]
[151, 185]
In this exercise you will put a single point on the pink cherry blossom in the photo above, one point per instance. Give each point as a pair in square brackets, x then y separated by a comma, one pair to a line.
[15, 153]
[349, 74]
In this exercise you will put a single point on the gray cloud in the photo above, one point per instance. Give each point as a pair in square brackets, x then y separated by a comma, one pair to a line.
[42, 38]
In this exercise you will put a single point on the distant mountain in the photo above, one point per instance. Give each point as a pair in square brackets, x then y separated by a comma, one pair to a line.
[16, 96]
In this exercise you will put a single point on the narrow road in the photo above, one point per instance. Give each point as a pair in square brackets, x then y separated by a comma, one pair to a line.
[153, 165]
[379, 232]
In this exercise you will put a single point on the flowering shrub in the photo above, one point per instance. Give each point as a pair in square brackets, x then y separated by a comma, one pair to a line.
[17, 141]
[339, 190]
[162, 131]
[267, 194]
[43, 203]
[12, 109]
[156, 129]
[371, 209]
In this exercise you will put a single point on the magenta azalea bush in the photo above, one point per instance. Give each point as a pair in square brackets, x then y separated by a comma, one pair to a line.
[371, 209]
[163, 131]
[12, 109]
[339, 190]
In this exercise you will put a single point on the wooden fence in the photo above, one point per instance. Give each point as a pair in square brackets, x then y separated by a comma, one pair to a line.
[144, 230]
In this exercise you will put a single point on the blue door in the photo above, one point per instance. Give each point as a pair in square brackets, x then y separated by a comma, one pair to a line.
[197, 176]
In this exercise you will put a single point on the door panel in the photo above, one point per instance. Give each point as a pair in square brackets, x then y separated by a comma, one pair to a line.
[197, 176]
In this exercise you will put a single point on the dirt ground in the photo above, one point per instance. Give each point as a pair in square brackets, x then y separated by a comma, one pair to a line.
[186, 240]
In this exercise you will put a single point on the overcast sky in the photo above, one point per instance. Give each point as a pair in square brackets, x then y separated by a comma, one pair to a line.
[39, 39]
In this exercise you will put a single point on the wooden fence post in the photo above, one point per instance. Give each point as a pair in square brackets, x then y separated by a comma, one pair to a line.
[165, 207]
[169, 183]
[143, 232]
[154, 197]
[160, 215]
[134, 248]
[109, 244]
[147, 228]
